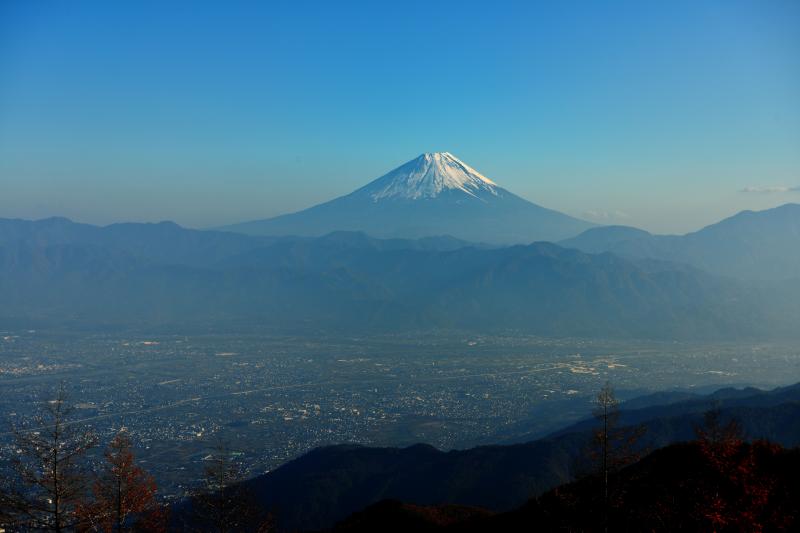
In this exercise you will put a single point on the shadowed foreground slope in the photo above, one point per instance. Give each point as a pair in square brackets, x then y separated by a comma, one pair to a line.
[326, 485]
[684, 487]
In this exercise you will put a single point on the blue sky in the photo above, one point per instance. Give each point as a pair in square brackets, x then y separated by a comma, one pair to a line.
[655, 114]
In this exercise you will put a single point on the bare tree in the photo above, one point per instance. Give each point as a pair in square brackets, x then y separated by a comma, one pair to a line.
[224, 504]
[713, 434]
[50, 478]
[740, 493]
[613, 446]
[124, 495]
[607, 413]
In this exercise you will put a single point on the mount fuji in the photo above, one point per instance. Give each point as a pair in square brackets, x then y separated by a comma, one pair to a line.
[434, 194]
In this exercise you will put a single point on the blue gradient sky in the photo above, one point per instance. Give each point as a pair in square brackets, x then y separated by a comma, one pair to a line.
[655, 114]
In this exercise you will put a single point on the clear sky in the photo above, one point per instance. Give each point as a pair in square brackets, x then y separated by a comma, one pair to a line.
[654, 114]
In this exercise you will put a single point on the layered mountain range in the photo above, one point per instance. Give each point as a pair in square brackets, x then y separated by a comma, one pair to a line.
[432, 244]
[438, 194]
[752, 245]
[55, 270]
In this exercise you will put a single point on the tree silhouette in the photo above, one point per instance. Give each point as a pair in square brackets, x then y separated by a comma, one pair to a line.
[741, 492]
[49, 478]
[124, 495]
[613, 446]
[224, 504]
[716, 437]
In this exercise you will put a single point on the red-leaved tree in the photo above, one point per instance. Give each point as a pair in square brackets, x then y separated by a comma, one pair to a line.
[739, 499]
[124, 495]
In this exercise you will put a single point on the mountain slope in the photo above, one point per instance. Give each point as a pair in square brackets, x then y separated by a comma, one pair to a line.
[682, 487]
[327, 484]
[162, 273]
[169, 243]
[752, 245]
[434, 194]
[353, 282]
[162, 243]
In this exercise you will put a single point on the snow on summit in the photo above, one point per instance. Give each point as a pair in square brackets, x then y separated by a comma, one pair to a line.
[427, 177]
[434, 194]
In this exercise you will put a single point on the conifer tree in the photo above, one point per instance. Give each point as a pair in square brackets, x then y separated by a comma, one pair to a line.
[49, 477]
[124, 495]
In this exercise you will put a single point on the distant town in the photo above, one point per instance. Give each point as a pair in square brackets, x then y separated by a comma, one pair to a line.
[270, 399]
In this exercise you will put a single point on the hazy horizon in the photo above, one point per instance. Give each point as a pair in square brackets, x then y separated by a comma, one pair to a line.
[665, 117]
[421, 312]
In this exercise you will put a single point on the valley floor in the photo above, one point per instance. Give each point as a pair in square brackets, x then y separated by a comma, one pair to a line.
[276, 397]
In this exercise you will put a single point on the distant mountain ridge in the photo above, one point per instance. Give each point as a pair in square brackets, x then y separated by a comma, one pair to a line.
[161, 273]
[434, 194]
[752, 245]
[162, 242]
[165, 274]
[168, 243]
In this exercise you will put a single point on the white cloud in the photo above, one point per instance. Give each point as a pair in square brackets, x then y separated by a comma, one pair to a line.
[771, 189]
[602, 214]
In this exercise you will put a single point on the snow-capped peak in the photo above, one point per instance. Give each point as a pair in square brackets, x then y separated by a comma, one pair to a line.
[429, 175]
